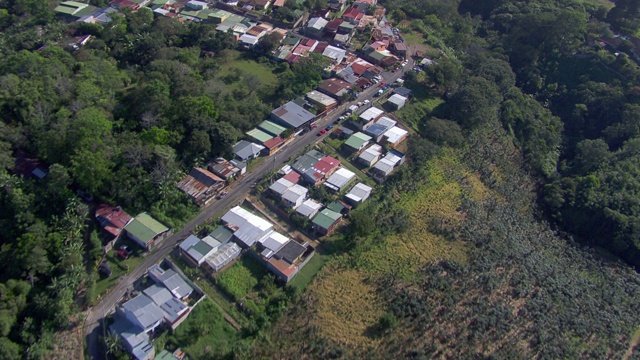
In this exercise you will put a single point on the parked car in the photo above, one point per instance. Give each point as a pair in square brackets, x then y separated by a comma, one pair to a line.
[222, 194]
[313, 126]
[328, 128]
[126, 249]
[104, 270]
[321, 132]
[366, 101]
[122, 254]
[383, 84]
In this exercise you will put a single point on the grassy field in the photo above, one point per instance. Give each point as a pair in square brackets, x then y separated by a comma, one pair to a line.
[309, 271]
[205, 334]
[241, 278]
[237, 63]
[218, 298]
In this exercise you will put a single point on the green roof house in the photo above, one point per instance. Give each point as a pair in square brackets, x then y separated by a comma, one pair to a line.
[326, 221]
[259, 135]
[357, 142]
[146, 231]
[74, 9]
[271, 128]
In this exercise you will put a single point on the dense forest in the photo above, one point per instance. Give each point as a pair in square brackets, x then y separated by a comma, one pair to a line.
[534, 109]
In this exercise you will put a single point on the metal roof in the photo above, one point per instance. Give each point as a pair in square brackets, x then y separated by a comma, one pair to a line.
[371, 114]
[222, 234]
[271, 128]
[357, 140]
[171, 280]
[173, 308]
[291, 251]
[321, 98]
[274, 241]
[158, 294]
[309, 208]
[292, 115]
[371, 153]
[385, 166]
[326, 218]
[259, 135]
[144, 310]
[281, 186]
[145, 228]
[340, 178]
[224, 255]
[395, 134]
[359, 193]
[294, 193]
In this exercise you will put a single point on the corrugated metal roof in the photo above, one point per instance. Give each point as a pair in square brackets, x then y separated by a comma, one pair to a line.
[326, 218]
[145, 228]
[144, 310]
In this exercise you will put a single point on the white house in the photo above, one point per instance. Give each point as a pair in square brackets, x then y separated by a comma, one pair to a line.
[359, 193]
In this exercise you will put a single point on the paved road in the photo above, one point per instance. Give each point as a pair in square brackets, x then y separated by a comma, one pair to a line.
[236, 195]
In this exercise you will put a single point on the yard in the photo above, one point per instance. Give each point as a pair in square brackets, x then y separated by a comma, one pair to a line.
[241, 278]
[309, 271]
[204, 335]
[236, 68]
[118, 267]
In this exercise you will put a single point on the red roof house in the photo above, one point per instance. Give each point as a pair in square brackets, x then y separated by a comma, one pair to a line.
[112, 218]
[352, 15]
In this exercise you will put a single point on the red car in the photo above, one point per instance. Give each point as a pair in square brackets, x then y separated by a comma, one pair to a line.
[122, 254]
[383, 84]
[321, 132]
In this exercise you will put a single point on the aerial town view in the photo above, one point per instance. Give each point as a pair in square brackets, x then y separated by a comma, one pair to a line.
[319, 179]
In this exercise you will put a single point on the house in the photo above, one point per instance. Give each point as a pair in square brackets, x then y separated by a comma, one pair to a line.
[291, 252]
[273, 145]
[72, 10]
[367, 118]
[247, 228]
[399, 48]
[385, 166]
[356, 142]
[335, 87]
[331, 28]
[339, 180]
[248, 40]
[352, 15]
[196, 5]
[224, 169]
[201, 185]
[195, 250]
[371, 155]
[281, 186]
[402, 91]
[282, 269]
[321, 101]
[225, 254]
[377, 130]
[174, 310]
[395, 136]
[368, 20]
[305, 46]
[334, 54]
[336, 5]
[294, 196]
[171, 280]
[321, 170]
[315, 26]
[358, 194]
[260, 4]
[259, 135]
[292, 115]
[346, 28]
[143, 313]
[112, 219]
[146, 231]
[133, 338]
[326, 221]
[341, 39]
[272, 244]
[343, 132]
[306, 161]
[271, 128]
[339, 207]
[221, 234]
[309, 208]
[379, 45]
[245, 150]
[279, 3]
[396, 102]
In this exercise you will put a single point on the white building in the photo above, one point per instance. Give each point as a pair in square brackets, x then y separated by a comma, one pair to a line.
[371, 155]
[309, 208]
[295, 195]
[248, 228]
[223, 256]
[339, 180]
[359, 193]
[196, 250]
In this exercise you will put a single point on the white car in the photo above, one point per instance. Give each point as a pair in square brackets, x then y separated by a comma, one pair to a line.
[366, 101]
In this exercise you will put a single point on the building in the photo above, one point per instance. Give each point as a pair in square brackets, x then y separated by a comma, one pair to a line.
[224, 169]
[326, 221]
[342, 132]
[309, 208]
[171, 280]
[271, 146]
[225, 254]
[334, 54]
[272, 244]
[247, 228]
[335, 87]
[358, 194]
[245, 150]
[73, 10]
[174, 310]
[367, 118]
[259, 135]
[352, 15]
[377, 130]
[336, 5]
[201, 185]
[281, 186]
[357, 142]
[195, 250]
[321, 101]
[399, 48]
[395, 136]
[306, 161]
[143, 313]
[339, 207]
[331, 28]
[134, 339]
[321, 170]
[112, 219]
[339, 180]
[371, 155]
[396, 102]
[292, 115]
[315, 26]
[146, 231]
[402, 91]
[271, 128]
[385, 166]
[294, 196]
[291, 252]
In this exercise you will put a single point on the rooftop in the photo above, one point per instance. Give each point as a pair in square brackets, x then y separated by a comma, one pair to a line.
[259, 135]
[403, 91]
[171, 280]
[112, 218]
[145, 228]
[339, 179]
[198, 248]
[271, 128]
[309, 208]
[226, 253]
[395, 134]
[281, 186]
[397, 99]
[371, 153]
[274, 241]
[326, 218]
[146, 312]
[371, 113]
[335, 87]
[359, 192]
[291, 251]
[292, 115]
[245, 149]
[158, 294]
[294, 193]
[221, 234]
[321, 98]
[357, 140]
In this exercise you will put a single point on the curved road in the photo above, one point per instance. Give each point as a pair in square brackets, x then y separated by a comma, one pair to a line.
[237, 193]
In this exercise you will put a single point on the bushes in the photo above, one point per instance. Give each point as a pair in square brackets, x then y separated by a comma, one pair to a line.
[241, 278]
